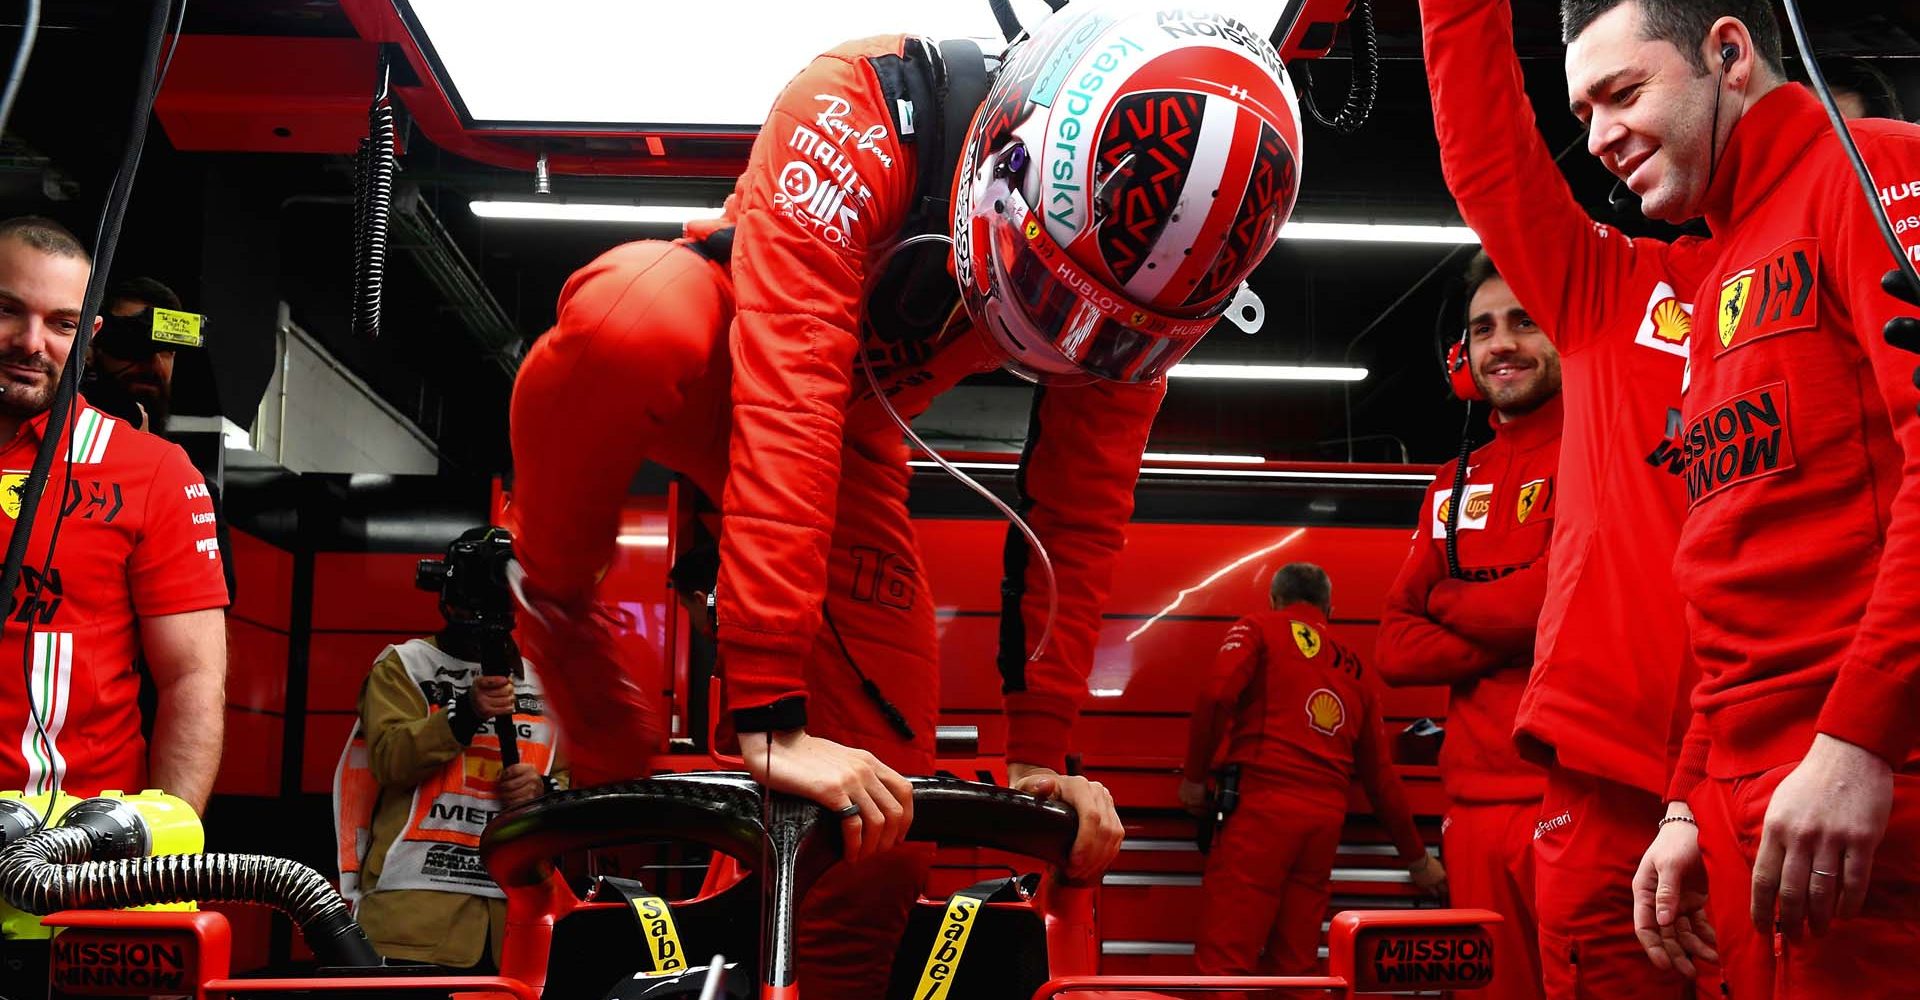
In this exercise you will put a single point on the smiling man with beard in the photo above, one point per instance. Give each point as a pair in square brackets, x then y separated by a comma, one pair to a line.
[137, 573]
[1466, 618]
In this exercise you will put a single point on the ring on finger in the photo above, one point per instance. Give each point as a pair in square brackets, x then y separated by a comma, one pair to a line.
[848, 811]
[1822, 874]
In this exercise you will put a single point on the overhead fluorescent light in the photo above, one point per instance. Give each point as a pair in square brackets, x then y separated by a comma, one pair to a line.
[1269, 373]
[1300, 474]
[606, 63]
[552, 210]
[1304, 475]
[1174, 456]
[643, 541]
[1376, 232]
[576, 211]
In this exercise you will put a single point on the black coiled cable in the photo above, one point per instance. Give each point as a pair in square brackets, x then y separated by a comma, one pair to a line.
[1455, 501]
[374, 169]
[48, 871]
[1365, 84]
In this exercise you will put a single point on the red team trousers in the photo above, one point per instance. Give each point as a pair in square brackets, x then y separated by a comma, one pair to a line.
[1872, 955]
[651, 382]
[1586, 853]
[1269, 881]
[1488, 850]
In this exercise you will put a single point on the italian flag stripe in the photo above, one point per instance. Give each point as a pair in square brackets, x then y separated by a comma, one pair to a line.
[90, 433]
[49, 689]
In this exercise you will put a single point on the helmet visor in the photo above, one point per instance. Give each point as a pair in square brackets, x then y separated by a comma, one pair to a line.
[1089, 326]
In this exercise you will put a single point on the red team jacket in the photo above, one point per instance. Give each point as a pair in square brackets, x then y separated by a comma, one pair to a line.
[1477, 635]
[136, 540]
[1800, 558]
[1301, 716]
[827, 189]
[1612, 628]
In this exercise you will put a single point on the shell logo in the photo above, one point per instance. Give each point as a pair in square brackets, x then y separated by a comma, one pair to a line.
[1326, 713]
[1671, 322]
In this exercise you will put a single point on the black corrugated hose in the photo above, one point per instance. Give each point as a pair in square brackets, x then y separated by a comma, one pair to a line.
[48, 871]
[374, 170]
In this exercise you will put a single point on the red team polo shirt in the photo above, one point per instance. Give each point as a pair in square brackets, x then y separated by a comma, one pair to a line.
[136, 540]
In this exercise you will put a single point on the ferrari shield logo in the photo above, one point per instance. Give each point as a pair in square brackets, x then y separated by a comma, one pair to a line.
[1307, 639]
[1532, 497]
[12, 484]
[1733, 305]
[1326, 713]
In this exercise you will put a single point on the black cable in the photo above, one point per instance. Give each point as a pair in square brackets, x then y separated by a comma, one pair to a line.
[1456, 501]
[1346, 388]
[29, 32]
[1364, 85]
[1860, 171]
[894, 717]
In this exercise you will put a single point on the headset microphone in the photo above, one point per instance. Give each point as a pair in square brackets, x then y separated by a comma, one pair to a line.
[1622, 200]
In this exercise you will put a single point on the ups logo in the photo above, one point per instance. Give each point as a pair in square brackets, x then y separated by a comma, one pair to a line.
[1779, 293]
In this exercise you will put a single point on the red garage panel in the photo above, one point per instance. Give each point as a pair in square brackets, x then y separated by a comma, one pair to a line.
[263, 575]
[339, 662]
[268, 94]
[1149, 912]
[250, 761]
[256, 667]
[1149, 965]
[371, 591]
[326, 737]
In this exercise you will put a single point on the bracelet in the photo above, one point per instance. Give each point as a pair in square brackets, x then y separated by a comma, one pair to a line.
[1679, 819]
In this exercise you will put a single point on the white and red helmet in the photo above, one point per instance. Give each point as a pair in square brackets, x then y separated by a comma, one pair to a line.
[1130, 167]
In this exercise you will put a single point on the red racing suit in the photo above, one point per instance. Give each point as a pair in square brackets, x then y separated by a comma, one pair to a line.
[1302, 721]
[744, 375]
[1800, 556]
[136, 541]
[1612, 631]
[1476, 635]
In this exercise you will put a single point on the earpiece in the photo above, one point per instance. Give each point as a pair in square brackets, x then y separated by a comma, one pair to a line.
[1460, 371]
[1728, 53]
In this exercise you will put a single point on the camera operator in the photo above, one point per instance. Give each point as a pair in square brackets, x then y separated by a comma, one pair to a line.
[430, 763]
